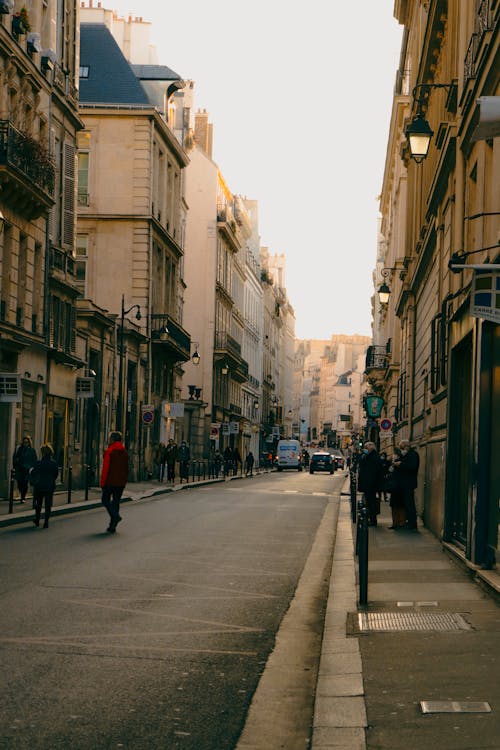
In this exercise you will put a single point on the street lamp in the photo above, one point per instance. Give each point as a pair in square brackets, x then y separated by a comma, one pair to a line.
[119, 410]
[418, 132]
[224, 369]
[195, 359]
[384, 290]
[419, 135]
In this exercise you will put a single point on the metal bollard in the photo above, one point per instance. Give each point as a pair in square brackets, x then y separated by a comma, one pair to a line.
[362, 551]
[70, 482]
[353, 490]
[11, 490]
[86, 469]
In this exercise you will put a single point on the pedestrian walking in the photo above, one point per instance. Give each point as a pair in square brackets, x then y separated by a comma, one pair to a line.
[43, 477]
[386, 464]
[370, 479]
[170, 459]
[184, 456]
[162, 458]
[228, 459]
[249, 462]
[24, 459]
[408, 466]
[217, 462]
[236, 461]
[393, 484]
[114, 477]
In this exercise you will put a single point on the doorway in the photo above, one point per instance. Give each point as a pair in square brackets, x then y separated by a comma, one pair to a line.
[459, 443]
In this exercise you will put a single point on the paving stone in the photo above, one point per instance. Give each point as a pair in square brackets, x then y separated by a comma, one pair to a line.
[340, 712]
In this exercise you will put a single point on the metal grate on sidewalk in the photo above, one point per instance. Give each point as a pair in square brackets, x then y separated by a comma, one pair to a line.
[386, 622]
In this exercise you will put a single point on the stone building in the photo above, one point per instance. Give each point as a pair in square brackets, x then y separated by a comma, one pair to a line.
[436, 360]
[38, 124]
[130, 245]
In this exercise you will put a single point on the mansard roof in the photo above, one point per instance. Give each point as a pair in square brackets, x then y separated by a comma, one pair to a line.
[105, 75]
[155, 73]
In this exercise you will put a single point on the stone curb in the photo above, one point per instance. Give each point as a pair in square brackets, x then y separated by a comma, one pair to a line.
[339, 710]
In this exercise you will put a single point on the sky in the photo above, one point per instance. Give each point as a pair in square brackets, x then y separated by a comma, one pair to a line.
[300, 96]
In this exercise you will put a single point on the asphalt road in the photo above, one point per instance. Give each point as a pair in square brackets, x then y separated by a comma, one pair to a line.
[156, 637]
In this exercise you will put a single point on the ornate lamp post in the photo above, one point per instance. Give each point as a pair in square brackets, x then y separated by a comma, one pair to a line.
[119, 407]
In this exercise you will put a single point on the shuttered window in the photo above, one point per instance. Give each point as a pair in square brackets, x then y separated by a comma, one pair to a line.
[68, 225]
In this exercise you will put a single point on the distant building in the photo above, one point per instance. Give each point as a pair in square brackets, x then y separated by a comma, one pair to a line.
[328, 378]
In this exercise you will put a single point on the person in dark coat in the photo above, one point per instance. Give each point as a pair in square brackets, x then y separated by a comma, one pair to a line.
[162, 459]
[236, 460]
[393, 483]
[184, 455]
[228, 459]
[249, 462]
[171, 458]
[217, 462]
[114, 477]
[24, 459]
[370, 479]
[43, 478]
[407, 467]
[385, 467]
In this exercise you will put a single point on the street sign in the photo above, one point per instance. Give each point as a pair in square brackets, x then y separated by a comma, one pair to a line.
[172, 410]
[385, 425]
[148, 414]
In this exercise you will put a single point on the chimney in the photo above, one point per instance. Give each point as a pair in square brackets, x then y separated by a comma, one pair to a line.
[203, 131]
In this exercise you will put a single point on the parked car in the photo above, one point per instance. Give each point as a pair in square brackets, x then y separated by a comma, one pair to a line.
[339, 459]
[321, 461]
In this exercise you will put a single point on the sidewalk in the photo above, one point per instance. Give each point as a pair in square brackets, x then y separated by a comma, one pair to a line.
[428, 640]
[22, 512]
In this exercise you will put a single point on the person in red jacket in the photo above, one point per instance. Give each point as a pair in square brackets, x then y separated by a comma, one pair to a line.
[114, 477]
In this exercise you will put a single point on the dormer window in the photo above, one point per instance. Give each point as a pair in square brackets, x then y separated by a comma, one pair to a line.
[84, 71]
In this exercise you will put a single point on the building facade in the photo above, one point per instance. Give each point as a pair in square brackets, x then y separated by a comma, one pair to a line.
[130, 245]
[436, 362]
[39, 122]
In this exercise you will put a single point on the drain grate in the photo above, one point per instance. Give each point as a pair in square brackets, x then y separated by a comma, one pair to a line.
[455, 707]
[382, 622]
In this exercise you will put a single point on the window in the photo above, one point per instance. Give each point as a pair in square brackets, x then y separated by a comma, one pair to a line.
[84, 71]
[82, 243]
[83, 178]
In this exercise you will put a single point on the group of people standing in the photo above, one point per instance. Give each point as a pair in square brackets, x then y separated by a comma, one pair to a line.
[378, 475]
[40, 473]
[167, 457]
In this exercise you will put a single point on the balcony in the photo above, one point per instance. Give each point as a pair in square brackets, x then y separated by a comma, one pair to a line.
[170, 338]
[228, 349]
[26, 172]
[376, 358]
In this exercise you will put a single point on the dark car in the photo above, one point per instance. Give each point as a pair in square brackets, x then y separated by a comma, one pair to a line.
[339, 459]
[321, 461]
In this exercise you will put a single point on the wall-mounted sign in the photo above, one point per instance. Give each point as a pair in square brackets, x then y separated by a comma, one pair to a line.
[486, 295]
[147, 414]
[374, 405]
[171, 410]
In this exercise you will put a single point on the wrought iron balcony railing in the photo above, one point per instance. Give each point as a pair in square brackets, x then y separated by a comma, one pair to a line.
[224, 341]
[28, 157]
[376, 358]
[165, 331]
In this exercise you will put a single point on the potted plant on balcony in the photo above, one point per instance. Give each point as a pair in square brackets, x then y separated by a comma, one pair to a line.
[6, 7]
[34, 42]
[36, 160]
[20, 22]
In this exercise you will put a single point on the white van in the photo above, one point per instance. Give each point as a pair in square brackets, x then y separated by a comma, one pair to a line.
[288, 454]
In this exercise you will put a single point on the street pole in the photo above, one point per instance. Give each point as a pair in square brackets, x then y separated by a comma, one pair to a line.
[119, 408]
[120, 404]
